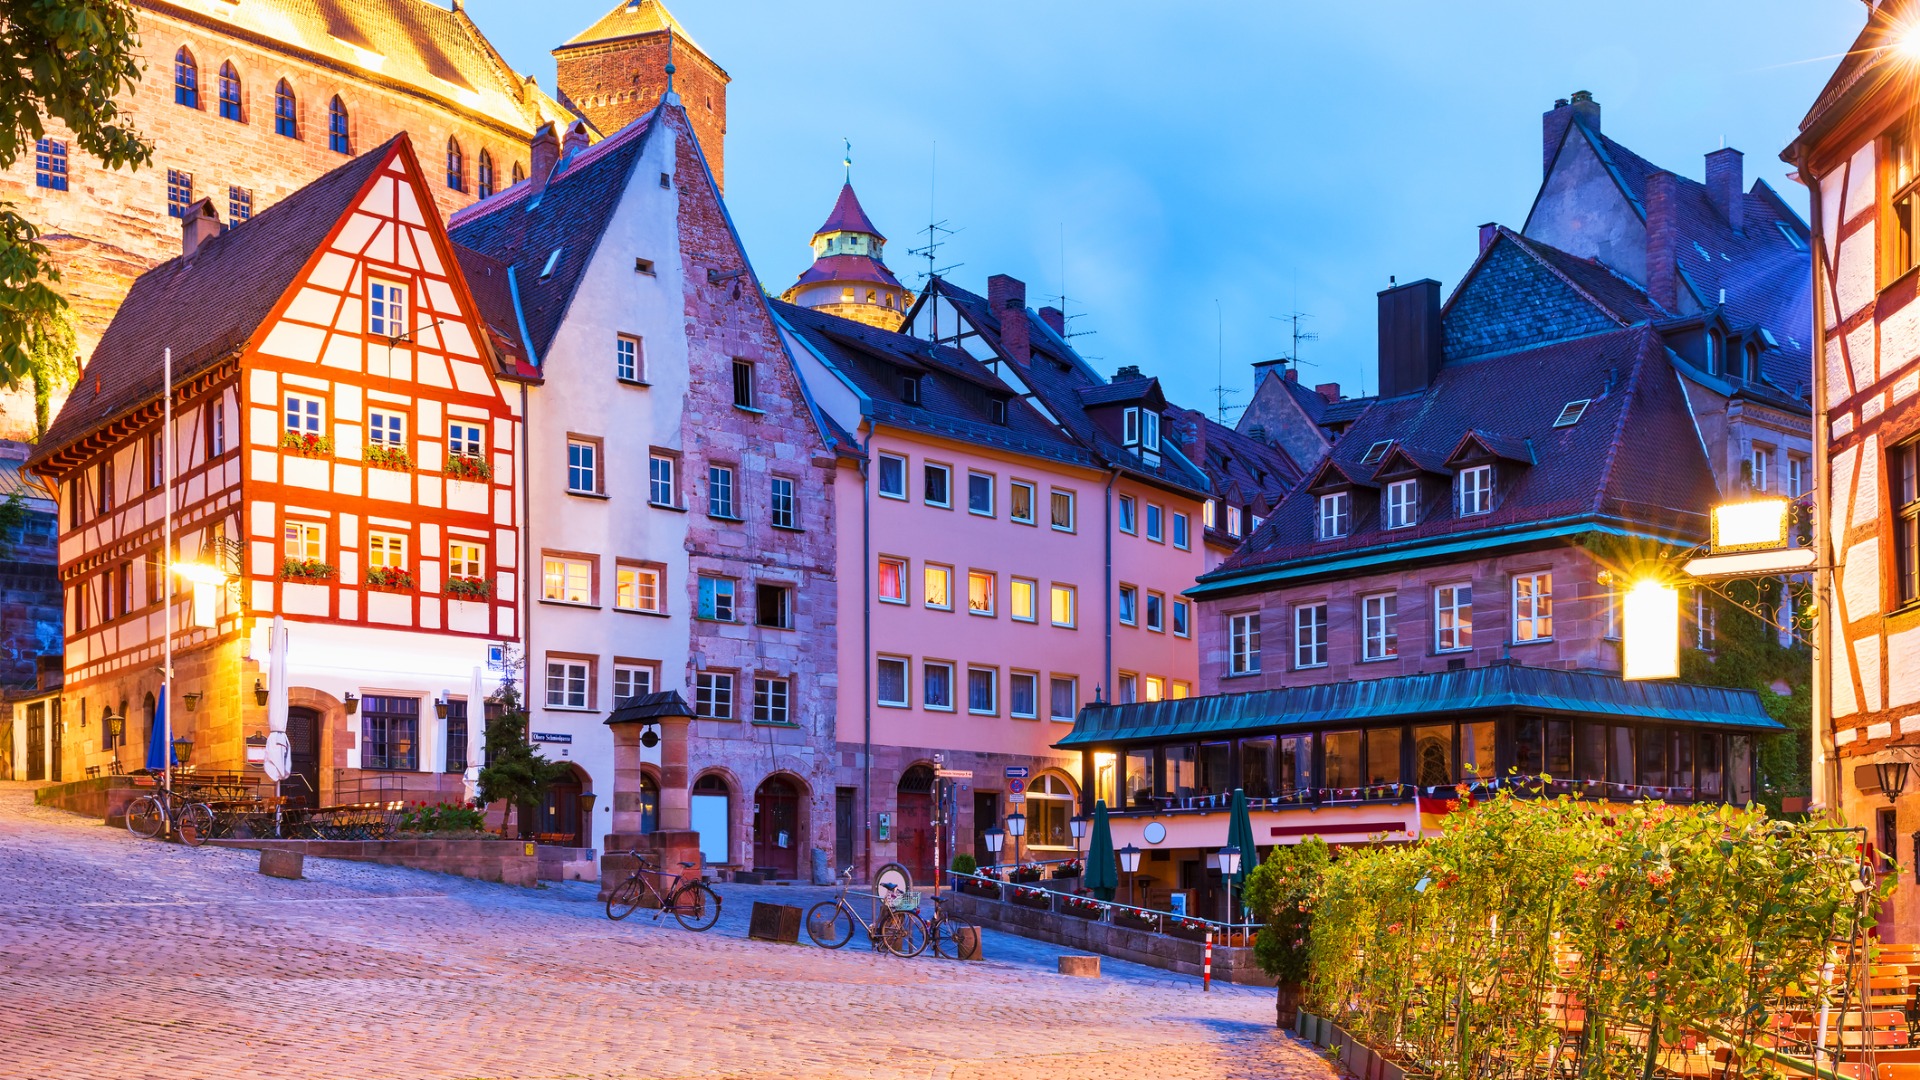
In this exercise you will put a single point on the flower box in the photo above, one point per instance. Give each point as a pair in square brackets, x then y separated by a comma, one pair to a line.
[986, 889]
[1190, 929]
[1039, 899]
[389, 579]
[313, 446]
[467, 588]
[1137, 919]
[1082, 907]
[306, 570]
[467, 467]
[1025, 874]
[388, 457]
[1067, 871]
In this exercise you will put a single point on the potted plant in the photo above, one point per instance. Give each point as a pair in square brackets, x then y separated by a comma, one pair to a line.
[1280, 895]
[389, 579]
[1040, 899]
[1028, 873]
[1085, 907]
[309, 570]
[468, 467]
[1137, 919]
[1068, 870]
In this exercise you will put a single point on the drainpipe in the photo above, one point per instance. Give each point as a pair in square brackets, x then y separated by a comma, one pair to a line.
[1106, 609]
[526, 579]
[866, 651]
[1825, 788]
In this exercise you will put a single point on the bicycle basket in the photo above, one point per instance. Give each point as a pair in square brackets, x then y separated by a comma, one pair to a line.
[906, 901]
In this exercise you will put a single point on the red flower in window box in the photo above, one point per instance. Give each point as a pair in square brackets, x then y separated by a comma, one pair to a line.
[389, 579]
[389, 457]
[306, 570]
[307, 445]
[469, 588]
[468, 467]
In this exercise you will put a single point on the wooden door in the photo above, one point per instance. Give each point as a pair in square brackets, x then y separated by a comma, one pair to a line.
[914, 833]
[37, 742]
[844, 816]
[776, 829]
[53, 758]
[302, 785]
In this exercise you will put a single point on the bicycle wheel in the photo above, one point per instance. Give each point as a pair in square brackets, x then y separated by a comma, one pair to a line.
[195, 824]
[624, 898]
[829, 925]
[696, 906]
[146, 817]
[951, 937]
[905, 935]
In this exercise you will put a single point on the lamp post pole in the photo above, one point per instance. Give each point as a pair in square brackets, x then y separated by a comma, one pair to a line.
[166, 557]
[1130, 862]
[1229, 866]
[1017, 827]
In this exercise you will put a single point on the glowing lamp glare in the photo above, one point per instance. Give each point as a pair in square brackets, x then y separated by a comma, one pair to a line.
[1652, 631]
[1753, 525]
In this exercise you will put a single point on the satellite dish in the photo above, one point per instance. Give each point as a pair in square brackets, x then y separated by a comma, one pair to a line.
[278, 761]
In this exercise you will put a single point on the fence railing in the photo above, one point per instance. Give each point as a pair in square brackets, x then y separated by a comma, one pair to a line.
[991, 884]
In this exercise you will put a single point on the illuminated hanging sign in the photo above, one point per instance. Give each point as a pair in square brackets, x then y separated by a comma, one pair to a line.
[1651, 631]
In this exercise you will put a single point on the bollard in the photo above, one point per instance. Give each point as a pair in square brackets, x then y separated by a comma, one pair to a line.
[1206, 965]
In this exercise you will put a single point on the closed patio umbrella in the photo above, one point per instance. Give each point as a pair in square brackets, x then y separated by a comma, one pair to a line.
[159, 747]
[278, 761]
[1240, 835]
[1102, 876]
[476, 739]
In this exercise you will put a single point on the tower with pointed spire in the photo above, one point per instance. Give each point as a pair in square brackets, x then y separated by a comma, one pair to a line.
[614, 72]
[848, 277]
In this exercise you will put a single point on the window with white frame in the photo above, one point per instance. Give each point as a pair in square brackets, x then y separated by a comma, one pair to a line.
[628, 359]
[717, 595]
[713, 695]
[1403, 504]
[1208, 513]
[386, 551]
[982, 589]
[1181, 537]
[569, 683]
[1453, 618]
[305, 416]
[305, 541]
[466, 559]
[936, 685]
[1796, 476]
[936, 583]
[1129, 607]
[1532, 607]
[1065, 605]
[662, 480]
[1156, 523]
[1021, 599]
[1233, 521]
[636, 588]
[1761, 469]
[720, 491]
[1475, 487]
[770, 697]
[1062, 510]
[1336, 513]
[1063, 693]
[1023, 695]
[745, 393]
[1129, 515]
[1706, 620]
[1020, 502]
[1379, 626]
[980, 494]
[583, 466]
[937, 485]
[1310, 636]
[566, 579]
[1126, 688]
[893, 476]
[1154, 688]
[783, 507]
[890, 681]
[387, 429]
[1182, 615]
[217, 433]
[1156, 612]
[983, 691]
[463, 440]
[1243, 643]
[1141, 428]
[892, 584]
[632, 681]
[386, 309]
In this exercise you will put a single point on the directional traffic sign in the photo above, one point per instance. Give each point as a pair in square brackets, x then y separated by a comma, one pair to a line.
[1016, 772]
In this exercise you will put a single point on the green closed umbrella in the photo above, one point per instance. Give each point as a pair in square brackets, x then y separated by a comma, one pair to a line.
[1240, 835]
[1102, 875]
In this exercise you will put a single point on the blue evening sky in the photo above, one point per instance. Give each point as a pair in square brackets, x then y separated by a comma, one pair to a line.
[1267, 155]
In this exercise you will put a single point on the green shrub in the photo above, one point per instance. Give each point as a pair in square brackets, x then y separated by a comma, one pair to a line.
[1280, 893]
[964, 863]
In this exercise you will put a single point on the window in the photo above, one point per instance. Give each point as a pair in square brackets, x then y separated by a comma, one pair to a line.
[1020, 598]
[1453, 618]
[626, 358]
[303, 415]
[1380, 634]
[1020, 500]
[1571, 412]
[1476, 490]
[980, 494]
[1243, 644]
[285, 120]
[156, 460]
[1129, 515]
[720, 492]
[106, 485]
[937, 583]
[186, 79]
[893, 580]
[1796, 476]
[568, 683]
[466, 559]
[938, 489]
[1181, 539]
[770, 701]
[773, 606]
[50, 164]
[893, 476]
[386, 429]
[583, 466]
[936, 685]
[1904, 484]
[1129, 605]
[743, 395]
[566, 580]
[1065, 600]
[1760, 473]
[229, 88]
[216, 428]
[1903, 181]
[890, 682]
[631, 681]
[1182, 627]
[713, 695]
[1063, 697]
[1140, 427]
[456, 167]
[909, 387]
[1126, 688]
[1310, 636]
[457, 735]
[1533, 607]
[1403, 499]
[782, 505]
[1023, 695]
[485, 184]
[636, 588]
[1155, 523]
[983, 691]
[179, 192]
[1705, 619]
[716, 598]
[661, 490]
[520, 173]
[1063, 510]
[390, 733]
[239, 204]
[304, 541]
[1335, 515]
[981, 590]
[337, 127]
[1209, 513]
[1233, 521]
[386, 551]
[463, 440]
[386, 309]
[1156, 612]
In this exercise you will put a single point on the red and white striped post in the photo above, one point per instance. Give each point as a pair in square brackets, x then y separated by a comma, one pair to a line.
[1206, 965]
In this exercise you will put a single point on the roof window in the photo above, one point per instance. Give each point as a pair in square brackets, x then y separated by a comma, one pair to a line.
[1792, 237]
[553, 260]
[1376, 452]
[1571, 412]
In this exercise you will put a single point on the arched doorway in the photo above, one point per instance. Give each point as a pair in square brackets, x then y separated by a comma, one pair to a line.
[913, 832]
[558, 821]
[302, 785]
[776, 828]
[711, 807]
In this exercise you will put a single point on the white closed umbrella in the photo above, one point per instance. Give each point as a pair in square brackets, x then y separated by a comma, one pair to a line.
[278, 762]
[476, 737]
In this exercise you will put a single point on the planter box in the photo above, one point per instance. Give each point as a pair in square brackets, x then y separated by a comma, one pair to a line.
[1079, 912]
[1043, 902]
[1135, 922]
[988, 890]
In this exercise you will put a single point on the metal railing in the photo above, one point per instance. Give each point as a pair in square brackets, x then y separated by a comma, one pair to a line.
[987, 886]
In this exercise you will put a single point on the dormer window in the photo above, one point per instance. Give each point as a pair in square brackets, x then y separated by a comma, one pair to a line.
[1403, 504]
[1376, 452]
[1473, 489]
[998, 409]
[1233, 521]
[1141, 428]
[1336, 515]
[910, 389]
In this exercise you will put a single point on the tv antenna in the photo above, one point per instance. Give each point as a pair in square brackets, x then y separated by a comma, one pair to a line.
[1067, 331]
[936, 230]
[1299, 335]
[1221, 391]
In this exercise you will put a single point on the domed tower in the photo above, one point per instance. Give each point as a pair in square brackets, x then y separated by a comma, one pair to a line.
[847, 277]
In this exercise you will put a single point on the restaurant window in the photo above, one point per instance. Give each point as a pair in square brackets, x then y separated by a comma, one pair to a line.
[1739, 770]
[1680, 759]
[1214, 774]
[1709, 760]
[1049, 808]
[1653, 758]
[1177, 772]
[1620, 755]
[1259, 775]
[1477, 750]
[1590, 752]
[389, 733]
[1383, 755]
[457, 735]
[1341, 764]
[1139, 779]
[1433, 755]
[1905, 486]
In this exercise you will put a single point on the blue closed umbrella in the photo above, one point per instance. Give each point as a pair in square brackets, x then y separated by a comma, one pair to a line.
[157, 747]
[1102, 876]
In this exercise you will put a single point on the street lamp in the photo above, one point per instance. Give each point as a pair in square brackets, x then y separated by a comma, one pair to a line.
[259, 692]
[995, 837]
[117, 729]
[1229, 866]
[1078, 823]
[1893, 777]
[182, 748]
[1130, 862]
[1016, 828]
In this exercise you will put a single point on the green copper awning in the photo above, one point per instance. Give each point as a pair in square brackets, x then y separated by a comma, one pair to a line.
[1505, 687]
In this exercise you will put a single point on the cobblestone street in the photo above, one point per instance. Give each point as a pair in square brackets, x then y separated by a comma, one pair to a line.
[126, 959]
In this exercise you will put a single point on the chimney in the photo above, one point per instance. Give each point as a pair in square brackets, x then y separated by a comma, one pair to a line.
[1662, 238]
[198, 225]
[1328, 390]
[1726, 186]
[545, 153]
[1007, 297]
[576, 139]
[1055, 318]
[1488, 233]
[1127, 371]
[1409, 337]
[1291, 375]
[1587, 109]
[1553, 124]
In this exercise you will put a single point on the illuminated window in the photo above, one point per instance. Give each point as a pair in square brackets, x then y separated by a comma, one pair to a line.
[1532, 607]
[1065, 605]
[636, 588]
[305, 541]
[937, 583]
[567, 580]
[466, 560]
[981, 589]
[1021, 594]
[1020, 503]
[893, 580]
[1380, 632]
[386, 551]
[1453, 618]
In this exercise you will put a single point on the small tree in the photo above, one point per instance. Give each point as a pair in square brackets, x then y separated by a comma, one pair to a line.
[1280, 894]
[515, 773]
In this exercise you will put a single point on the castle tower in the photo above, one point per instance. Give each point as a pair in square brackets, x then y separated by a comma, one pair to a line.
[847, 277]
[614, 72]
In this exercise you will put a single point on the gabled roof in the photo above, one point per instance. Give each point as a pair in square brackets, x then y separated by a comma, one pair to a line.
[1140, 388]
[207, 306]
[1242, 467]
[848, 216]
[649, 708]
[1333, 472]
[1486, 442]
[634, 18]
[1402, 459]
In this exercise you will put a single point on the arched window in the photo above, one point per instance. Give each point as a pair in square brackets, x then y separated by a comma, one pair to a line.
[456, 166]
[1753, 362]
[229, 92]
[1049, 810]
[484, 178]
[285, 121]
[1716, 345]
[337, 127]
[519, 172]
[186, 79]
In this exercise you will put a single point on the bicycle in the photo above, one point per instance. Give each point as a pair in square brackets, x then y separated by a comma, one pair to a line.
[149, 814]
[897, 926]
[693, 902]
[950, 932]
